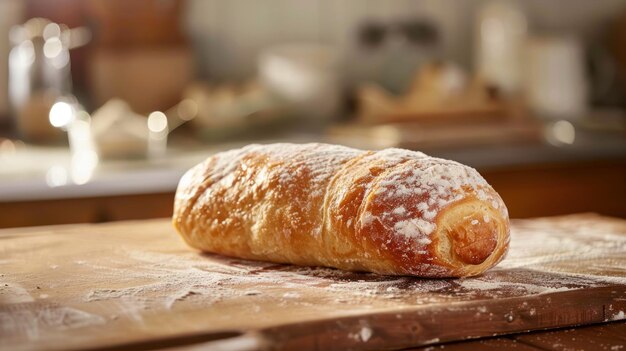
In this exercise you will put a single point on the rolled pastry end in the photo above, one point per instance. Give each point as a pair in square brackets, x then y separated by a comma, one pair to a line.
[471, 237]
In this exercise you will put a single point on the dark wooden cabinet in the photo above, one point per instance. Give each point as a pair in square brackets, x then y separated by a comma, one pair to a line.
[554, 189]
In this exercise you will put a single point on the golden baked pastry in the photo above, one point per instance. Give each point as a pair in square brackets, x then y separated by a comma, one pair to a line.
[391, 212]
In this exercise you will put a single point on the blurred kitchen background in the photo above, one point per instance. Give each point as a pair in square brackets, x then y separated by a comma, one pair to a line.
[105, 103]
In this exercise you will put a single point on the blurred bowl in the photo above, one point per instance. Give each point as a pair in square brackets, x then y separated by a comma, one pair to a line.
[148, 79]
[306, 75]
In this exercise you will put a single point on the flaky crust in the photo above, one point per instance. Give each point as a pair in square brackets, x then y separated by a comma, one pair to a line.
[391, 212]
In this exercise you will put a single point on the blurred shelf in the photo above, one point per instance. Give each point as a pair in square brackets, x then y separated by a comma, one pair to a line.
[482, 148]
[534, 179]
[38, 173]
[34, 173]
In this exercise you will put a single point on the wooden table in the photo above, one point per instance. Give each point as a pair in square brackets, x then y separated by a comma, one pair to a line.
[135, 285]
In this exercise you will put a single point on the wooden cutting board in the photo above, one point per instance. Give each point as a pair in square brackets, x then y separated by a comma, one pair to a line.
[136, 285]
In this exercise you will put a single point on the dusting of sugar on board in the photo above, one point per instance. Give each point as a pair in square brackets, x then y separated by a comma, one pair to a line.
[618, 316]
[547, 244]
[366, 333]
[32, 323]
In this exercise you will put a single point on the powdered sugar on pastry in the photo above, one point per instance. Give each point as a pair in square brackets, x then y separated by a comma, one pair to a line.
[415, 228]
[421, 188]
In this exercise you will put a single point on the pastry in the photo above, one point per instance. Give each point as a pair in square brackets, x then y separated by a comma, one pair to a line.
[392, 211]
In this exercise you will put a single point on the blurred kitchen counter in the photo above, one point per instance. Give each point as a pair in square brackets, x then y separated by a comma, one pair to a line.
[38, 185]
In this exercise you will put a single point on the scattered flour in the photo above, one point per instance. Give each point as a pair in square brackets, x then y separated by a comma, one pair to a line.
[31, 322]
[14, 293]
[366, 333]
[484, 285]
[363, 335]
[618, 316]
[546, 244]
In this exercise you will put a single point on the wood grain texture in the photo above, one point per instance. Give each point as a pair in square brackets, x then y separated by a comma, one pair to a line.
[609, 337]
[496, 344]
[136, 285]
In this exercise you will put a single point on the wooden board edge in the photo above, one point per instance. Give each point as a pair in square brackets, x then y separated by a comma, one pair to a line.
[419, 327]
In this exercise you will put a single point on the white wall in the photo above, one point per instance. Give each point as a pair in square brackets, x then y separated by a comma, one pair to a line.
[228, 34]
